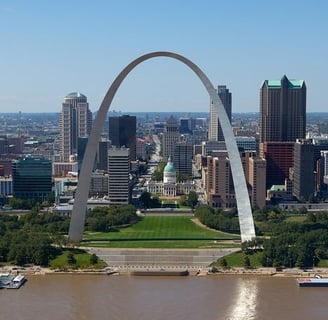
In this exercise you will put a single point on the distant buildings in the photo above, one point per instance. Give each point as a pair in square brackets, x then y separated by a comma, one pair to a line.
[75, 121]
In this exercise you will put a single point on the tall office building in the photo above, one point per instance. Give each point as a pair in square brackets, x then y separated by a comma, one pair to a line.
[102, 155]
[119, 189]
[282, 110]
[170, 137]
[75, 122]
[182, 157]
[282, 121]
[122, 133]
[303, 178]
[215, 130]
[32, 178]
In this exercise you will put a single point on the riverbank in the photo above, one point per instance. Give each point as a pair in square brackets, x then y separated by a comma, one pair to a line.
[271, 272]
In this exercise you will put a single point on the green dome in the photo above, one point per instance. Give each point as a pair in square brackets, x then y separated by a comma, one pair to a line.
[169, 167]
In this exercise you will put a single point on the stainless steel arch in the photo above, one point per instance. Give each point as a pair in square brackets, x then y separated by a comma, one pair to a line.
[76, 228]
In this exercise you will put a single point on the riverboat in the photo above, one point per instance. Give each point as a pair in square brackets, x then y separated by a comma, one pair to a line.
[8, 281]
[316, 281]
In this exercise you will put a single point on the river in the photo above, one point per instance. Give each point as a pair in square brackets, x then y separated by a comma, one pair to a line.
[123, 297]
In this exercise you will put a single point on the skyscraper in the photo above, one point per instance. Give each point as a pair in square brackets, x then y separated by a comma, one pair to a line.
[282, 110]
[303, 182]
[118, 175]
[75, 122]
[282, 121]
[182, 157]
[170, 137]
[214, 130]
[122, 133]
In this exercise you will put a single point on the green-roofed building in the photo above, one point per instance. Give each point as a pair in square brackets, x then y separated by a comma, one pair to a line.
[282, 110]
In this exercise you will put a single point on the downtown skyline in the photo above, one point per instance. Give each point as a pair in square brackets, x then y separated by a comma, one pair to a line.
[52, 49]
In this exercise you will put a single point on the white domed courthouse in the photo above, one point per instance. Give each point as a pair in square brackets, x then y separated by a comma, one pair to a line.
[169, 186]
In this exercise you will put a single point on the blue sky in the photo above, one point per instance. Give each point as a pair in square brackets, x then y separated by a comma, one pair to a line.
[51, 48]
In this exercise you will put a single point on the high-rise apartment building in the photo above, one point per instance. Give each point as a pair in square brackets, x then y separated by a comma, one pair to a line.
[282, 110]
[215, 130]
[122, 133]
[75, 122]
[255, 169]
[219, 185]
[32, 178]
[119, 189]
[170, 137]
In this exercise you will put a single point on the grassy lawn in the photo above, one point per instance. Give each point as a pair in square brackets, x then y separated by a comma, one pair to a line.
[237, 259]
[82, 261]
[160, 232]
[296, 218]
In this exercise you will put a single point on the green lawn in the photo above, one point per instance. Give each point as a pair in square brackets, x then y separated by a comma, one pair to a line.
[296, 218]
[82, 261]
[160, 232]
[237, 259]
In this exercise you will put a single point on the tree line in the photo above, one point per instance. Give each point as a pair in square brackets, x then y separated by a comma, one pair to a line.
[37, 238]
[280, 241]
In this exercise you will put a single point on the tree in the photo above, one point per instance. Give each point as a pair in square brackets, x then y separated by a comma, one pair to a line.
[93, 259]
[247, 262]
[192, 199]
[145, 199]
[223, 263]
[71, 259]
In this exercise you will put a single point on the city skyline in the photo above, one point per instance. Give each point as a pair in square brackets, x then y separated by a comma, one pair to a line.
[52, 49]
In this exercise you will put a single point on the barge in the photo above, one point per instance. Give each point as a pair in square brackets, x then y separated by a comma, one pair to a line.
[316, 281]
[160, 272]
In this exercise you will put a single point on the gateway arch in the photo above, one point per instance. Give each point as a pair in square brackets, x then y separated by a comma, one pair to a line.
[246, 222]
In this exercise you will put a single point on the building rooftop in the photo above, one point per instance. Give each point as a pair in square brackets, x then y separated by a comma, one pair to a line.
[292, 83]
[74, 95]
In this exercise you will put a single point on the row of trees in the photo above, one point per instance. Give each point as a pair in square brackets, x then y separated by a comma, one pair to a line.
[298, 244]
[39, 237]
[218, 219]
[105, 219]
[283, 242]
[30, 238]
